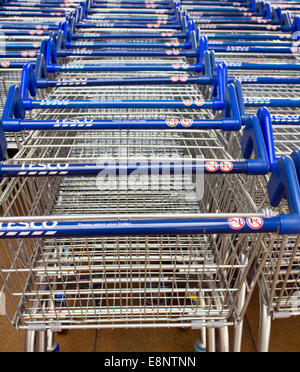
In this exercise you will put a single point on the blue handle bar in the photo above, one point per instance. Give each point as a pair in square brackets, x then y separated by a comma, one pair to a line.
[127, 67]
[266, 80]
[23, 54]
[126, 53]
[219, 36]
[29, 26]
[200, 80]
[95, 169]
[144, 20]
[25, 33]
[166, 45]
[162, 35]
[33, 14]
[263, 66]
[131, 6]
[95, 124]
[126, 25]
[133, 10]
[271, 102]
[135, 227]
[70, 104]
[285, 119]
[246, 49]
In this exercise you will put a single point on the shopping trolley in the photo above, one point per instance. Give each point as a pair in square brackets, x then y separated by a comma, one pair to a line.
[88, 148]
[134, 143]
[292, 7]
[249, 40]
[20, 38]
[79, 291]
[10, 73]
[268, 20]
[276, 89]
[279, 281]
[20, 43]
[114, 270]
[151, 19]
[226, 39]
[279, 123]
[237, 48]
[260, 76]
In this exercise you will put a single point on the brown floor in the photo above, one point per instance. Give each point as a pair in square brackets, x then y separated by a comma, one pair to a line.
[285, 337]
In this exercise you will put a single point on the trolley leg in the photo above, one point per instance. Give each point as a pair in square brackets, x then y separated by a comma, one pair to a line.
[42, 342]
[237, 337]
[264, 328]
[36, 341]
[200, 344]
[224, 340]
[203, 338]
[30, 341]
[238, 329]
[211, 340]
[52, 345]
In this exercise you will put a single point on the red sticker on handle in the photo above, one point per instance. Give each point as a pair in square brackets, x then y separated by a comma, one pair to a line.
[236, 223]
[212, 166]
[172, 122]
[255, 223]
[174, 78]
[199, 101]
[188, 101]
[187, 122]
[226, 166]
[5, 64]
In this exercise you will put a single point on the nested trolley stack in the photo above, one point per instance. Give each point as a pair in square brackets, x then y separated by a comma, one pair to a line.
[23, 27]
[125, 206]
[150, 287]
[279, 282]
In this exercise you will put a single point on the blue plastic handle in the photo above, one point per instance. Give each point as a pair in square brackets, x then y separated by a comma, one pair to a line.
[264, 117]
[284, 183]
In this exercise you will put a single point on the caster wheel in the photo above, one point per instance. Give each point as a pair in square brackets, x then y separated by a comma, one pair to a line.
[57, 349]
[198, 347]
[54, 349]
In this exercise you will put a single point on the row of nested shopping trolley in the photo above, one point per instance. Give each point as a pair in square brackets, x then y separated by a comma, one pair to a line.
[150, 166]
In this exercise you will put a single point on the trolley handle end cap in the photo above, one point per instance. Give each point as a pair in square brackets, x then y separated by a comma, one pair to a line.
[276, 15]
[252, 6]
[296, 29]
[41, 71]
[286, 22]
[252, 142]
[284, 183]
[265, 121]
[240, 98]
[28, 82]
[267, 14]
[296, 159]
[14, 109]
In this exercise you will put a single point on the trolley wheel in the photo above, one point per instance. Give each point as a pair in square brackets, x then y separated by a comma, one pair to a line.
[199, 347]
[57, 349]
